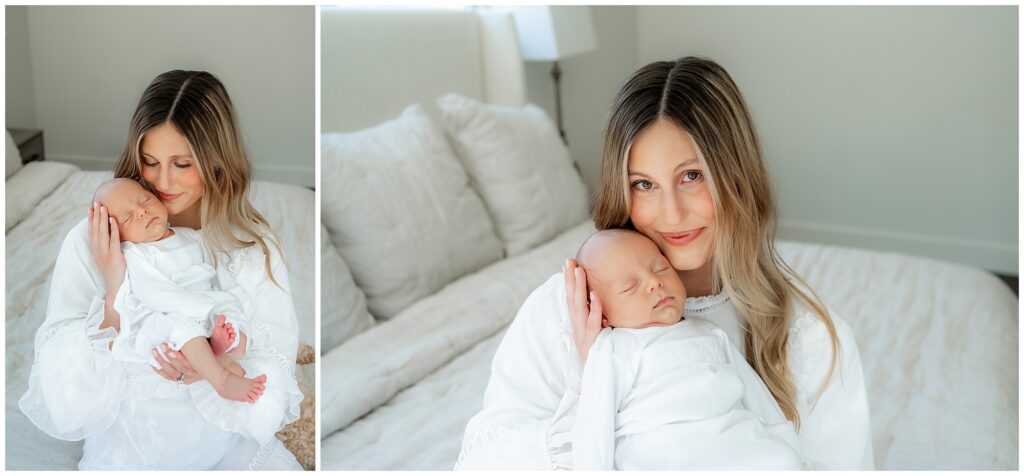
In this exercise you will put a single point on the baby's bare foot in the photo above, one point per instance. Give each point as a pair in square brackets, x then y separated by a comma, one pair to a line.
[222, 336]
[241, 389]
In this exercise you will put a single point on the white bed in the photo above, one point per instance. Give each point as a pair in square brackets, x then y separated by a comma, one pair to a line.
[938, 341]
[44, 201]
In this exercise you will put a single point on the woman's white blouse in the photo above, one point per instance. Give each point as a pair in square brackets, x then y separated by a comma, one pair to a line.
[529, 405]
[129, 416]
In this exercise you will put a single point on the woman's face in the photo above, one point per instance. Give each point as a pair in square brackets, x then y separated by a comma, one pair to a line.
[168, 166]
[669, 196]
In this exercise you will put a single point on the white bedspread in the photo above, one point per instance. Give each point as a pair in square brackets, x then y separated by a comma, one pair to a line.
[938, 344]
[31, 249]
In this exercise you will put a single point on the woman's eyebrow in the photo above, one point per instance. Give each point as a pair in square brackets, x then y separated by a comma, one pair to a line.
[179, 156]
[685, 163]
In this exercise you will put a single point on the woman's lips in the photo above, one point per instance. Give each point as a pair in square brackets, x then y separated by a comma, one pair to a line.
[665, 300]
[166, 197]
[682, 239]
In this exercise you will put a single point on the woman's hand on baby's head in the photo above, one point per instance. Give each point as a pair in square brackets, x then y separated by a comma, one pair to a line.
[586, 315]
[105, 243]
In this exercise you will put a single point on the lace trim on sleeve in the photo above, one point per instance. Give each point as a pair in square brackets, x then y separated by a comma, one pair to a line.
[261, 456]
[482, 439]
[99, 338]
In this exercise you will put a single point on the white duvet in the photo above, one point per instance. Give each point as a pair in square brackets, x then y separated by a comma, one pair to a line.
[938, 345]
[62, 194]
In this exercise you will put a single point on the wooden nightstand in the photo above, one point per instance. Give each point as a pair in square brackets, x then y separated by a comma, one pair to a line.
[30, 144]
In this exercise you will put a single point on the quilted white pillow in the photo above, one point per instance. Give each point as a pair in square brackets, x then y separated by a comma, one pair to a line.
[518, 163]
[399, 209]
[343, 312]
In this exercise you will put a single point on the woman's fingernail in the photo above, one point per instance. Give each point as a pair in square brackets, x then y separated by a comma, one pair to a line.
[591, 296]
[111, 220]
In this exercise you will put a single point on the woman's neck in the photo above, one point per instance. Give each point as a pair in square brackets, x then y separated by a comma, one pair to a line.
[698, 281]
[187, 218]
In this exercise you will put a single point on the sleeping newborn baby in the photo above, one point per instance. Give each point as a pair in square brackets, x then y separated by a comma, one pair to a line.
[662, 392]
[167, 294]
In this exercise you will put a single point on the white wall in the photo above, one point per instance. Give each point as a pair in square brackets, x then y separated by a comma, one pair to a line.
[20, 111]
[91, 64]
[887, 128]
[891, 128]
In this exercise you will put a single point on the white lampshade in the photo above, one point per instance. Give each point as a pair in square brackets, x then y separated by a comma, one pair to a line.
[551, 33]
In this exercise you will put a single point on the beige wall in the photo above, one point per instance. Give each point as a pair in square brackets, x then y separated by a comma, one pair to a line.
[20, 110]
[91, 64]
[887, 128]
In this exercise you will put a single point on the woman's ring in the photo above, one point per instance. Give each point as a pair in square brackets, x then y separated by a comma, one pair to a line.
[181, 378]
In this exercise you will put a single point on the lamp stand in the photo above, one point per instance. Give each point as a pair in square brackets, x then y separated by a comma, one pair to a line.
[556, 74]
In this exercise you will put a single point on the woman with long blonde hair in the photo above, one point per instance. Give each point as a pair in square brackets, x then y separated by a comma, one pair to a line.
[683, 165]
[184, 145]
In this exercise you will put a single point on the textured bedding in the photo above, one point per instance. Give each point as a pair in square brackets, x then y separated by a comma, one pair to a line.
[31, 249]
[938, 344]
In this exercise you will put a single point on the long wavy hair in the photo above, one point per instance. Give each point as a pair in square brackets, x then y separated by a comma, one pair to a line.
[699, 96]
[198, 106]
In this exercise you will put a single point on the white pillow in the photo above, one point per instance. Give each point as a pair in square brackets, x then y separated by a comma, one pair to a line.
[399, 209]
[518, 163]
[343, 312]
[35, 181]
[13, 156]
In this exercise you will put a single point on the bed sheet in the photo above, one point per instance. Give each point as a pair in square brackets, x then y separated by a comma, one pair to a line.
[31, 250]
[938, 344]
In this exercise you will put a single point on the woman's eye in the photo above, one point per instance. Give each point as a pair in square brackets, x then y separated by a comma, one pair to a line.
[150, 164]
[692, 176]
[643, 185]
[183, 166]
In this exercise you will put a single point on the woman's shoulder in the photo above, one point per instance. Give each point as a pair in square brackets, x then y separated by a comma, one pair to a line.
[78, 235]
[546, 308]
[810, 342]
[76, 241]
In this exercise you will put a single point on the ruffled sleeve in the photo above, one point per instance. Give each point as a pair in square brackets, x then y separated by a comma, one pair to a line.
[835, 431]
[75, 387]
[530, 402]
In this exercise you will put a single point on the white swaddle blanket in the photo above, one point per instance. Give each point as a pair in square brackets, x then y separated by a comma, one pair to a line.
[168, 296]
[677, 397]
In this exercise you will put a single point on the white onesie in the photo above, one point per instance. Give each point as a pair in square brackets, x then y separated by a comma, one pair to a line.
[168, 296]
[677, 397]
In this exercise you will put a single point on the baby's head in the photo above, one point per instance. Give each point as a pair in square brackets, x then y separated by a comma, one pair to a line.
[637, 285]
[141, 217]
